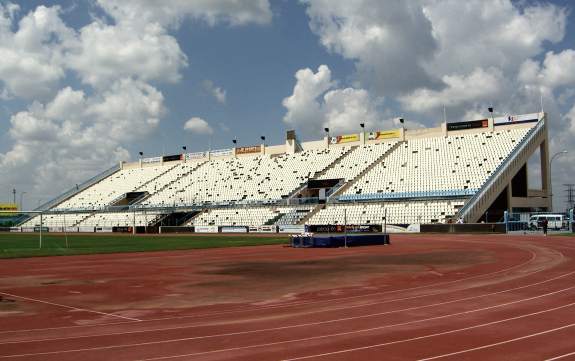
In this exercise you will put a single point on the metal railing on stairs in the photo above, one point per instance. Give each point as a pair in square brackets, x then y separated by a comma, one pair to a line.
[500, 171]
[77, 189]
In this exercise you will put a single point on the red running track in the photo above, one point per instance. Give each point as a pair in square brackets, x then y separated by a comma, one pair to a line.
[423, 298]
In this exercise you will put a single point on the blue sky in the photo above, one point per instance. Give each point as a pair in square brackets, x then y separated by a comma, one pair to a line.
[111, 78]
[254, 63]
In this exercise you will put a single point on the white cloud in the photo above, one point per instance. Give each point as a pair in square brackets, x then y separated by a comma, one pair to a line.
[558, 69]
[570, 118]
[315, 104]
[482, 34]
[388, 40]
[198, 126]
[480, 86]
[107, 52]
[65, 140]
[217, 92]
[31, 64]
[168, 13]
[303, 108]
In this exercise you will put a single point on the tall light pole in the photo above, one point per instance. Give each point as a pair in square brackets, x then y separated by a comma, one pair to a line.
[490, 110]
[551, 178]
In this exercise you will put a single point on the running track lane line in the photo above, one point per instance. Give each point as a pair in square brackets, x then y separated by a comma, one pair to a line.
[301, 324]
[68, 307]
[378, 345]
[287, 341]
[533, 257]
[502, 343]
[561, 356]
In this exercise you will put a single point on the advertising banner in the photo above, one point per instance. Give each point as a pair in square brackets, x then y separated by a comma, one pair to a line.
[15, 229]
[262, 229]
[206, 229]
[287, 228]
[85, 229]
[122, 229]
[248, 150]
[103, 229]
[515, 119]
[347, 138]
[12, 207]
[483, 123]
[221, 152]
[234, 229]
[197, 155]
[176, 229]
[171, 158]
[340, 228]
[152, 160]
[386, 134]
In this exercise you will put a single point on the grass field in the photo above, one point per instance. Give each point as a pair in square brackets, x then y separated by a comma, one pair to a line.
[14, 245]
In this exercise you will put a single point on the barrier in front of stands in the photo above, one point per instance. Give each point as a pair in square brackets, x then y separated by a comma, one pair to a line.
[463, 228]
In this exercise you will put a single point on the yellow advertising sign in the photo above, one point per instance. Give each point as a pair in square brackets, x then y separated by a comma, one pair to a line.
[386, 134]
[347, 138]
[8, 207]
[248, 150]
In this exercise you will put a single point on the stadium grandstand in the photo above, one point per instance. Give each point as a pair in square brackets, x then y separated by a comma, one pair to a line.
[471, 171]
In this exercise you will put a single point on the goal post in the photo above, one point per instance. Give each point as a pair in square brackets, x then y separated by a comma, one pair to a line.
[22, 225]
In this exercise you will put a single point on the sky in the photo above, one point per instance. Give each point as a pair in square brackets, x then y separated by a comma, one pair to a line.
[87, 84]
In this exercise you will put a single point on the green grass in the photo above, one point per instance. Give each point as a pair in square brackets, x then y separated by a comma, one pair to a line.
[14, 245]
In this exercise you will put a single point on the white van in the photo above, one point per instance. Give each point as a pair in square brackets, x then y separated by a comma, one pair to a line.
[554, 221]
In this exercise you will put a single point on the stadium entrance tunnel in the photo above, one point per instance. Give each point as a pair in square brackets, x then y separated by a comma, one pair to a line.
[129, 198]
[174, 219]
[317, 189]
[496, 211]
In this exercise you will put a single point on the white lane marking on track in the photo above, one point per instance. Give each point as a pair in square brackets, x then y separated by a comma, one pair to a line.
[533, 256]
[303, 324]
[68, 307]
[377, 345]
[293, 340]
[501, 342]
[561, 356]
